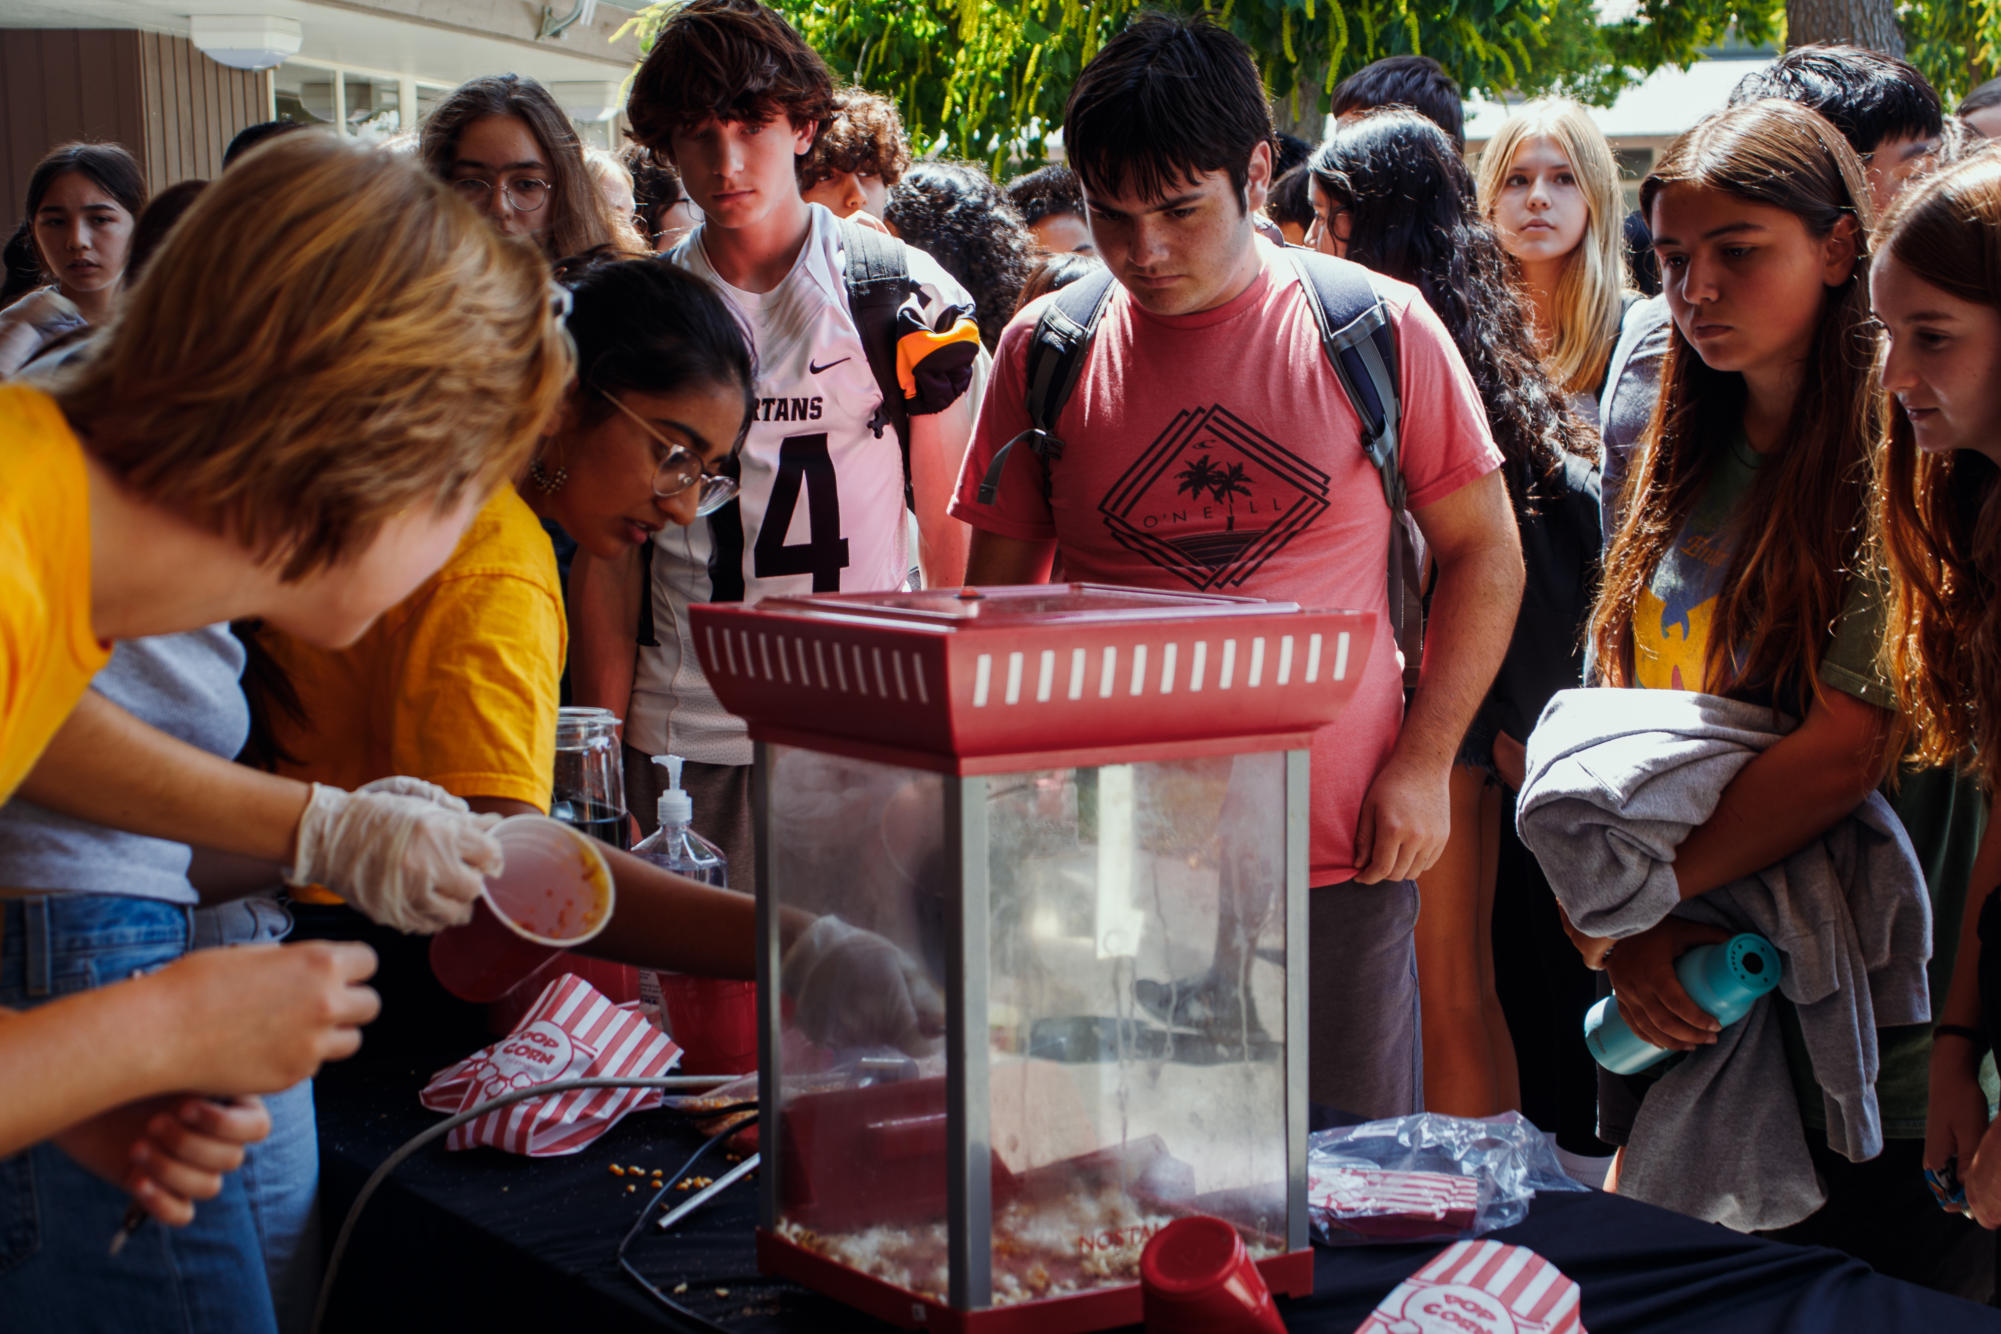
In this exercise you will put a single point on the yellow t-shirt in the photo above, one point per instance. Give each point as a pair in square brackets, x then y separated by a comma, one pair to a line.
[457, 684]
[48, 652]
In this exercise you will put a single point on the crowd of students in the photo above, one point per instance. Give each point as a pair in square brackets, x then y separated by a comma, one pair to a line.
[282, 605]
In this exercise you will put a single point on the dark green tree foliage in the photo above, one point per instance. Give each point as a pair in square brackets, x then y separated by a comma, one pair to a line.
[987, 81]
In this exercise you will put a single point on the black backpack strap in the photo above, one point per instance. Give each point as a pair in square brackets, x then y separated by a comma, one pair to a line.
[878, 281]
[1361, 346]
[1055, 359]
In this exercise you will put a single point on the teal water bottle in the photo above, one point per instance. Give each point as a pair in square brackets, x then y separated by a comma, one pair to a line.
[1723, 979]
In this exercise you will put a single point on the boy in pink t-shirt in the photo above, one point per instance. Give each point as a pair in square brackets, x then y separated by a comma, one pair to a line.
[1209, 446]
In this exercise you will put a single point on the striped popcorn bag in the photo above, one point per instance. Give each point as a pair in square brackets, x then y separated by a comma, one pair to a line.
[1480, 1287]
[1391, 1205]
[571, 1032]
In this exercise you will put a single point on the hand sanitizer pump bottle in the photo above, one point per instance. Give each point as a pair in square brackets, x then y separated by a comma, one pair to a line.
[675, 846]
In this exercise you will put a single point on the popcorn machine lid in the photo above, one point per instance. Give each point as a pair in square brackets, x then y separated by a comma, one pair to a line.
[978, 680]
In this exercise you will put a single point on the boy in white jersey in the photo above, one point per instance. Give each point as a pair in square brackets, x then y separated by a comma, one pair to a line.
[733, 96]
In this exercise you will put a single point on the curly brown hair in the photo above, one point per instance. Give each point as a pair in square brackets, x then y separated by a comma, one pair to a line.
[736, 60]
[1938, 516]
[865, 135]
[955, 213]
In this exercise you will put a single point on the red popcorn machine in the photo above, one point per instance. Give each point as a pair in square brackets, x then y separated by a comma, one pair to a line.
[1080, 814]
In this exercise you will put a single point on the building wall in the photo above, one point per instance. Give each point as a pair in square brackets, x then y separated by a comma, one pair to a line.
[172, 106]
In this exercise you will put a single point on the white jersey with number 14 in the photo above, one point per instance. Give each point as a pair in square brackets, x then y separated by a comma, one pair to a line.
[820, 505]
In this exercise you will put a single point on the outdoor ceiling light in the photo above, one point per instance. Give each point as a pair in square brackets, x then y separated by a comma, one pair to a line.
[245, 41]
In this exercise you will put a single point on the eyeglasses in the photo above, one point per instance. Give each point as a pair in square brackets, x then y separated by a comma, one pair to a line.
[678, 468]
[524, 194]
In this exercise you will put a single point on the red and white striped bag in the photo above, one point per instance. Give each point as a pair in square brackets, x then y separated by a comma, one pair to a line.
[571, 1032]
[1480, 1287]
[1381, 1203]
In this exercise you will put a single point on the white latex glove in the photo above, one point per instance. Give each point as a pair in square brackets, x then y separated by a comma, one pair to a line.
[400, 860]
[853, 988]
[402, 785]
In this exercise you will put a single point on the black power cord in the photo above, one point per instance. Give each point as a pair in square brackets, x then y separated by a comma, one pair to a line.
[671, 1083]
[680, 1312]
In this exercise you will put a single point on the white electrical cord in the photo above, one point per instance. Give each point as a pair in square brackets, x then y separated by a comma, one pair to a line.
[671, 1083]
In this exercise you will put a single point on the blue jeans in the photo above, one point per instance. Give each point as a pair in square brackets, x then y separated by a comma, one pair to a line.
[56, 1218]
[281, 1173]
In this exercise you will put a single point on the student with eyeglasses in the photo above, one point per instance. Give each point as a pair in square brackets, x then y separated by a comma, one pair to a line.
[458, 684]
[507, 148]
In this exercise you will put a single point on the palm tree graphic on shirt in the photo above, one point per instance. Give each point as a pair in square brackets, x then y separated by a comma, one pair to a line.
[1159, 507]
[1224, 484]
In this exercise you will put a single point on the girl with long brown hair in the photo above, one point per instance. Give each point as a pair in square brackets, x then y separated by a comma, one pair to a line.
[505, 145]
[1937, 291]
[1739, 569]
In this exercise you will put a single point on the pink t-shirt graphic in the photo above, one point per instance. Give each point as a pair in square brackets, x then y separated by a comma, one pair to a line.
[1217, 452]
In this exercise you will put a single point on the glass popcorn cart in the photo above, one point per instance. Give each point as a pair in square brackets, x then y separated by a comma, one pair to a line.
[1080, 813]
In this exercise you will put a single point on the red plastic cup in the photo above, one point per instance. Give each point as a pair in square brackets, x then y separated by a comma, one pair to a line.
[1197, 1278]
[555, 893]
[714, 1020]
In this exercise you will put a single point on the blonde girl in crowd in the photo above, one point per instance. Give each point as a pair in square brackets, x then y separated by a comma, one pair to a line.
[386, 362]
[1738, 569]
[1937, 290]
[613, 179]
[1549, 185]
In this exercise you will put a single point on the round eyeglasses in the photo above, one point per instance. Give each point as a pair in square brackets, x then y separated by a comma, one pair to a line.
[524, 194]
[677, 468]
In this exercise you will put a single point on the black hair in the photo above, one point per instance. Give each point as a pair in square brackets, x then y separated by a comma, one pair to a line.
[954, 212]
[107, 166]
[648, 326]
[1986, 95]
[1866, 95]
[1292, 197]
[1167, 100]
[1047, 192]
[1417, 82]
[1288, 151]
[1056, 272]
[162, 212]
[656, 186]
[1643, 266]
[23, 268]
[250, 136]
[1414, 215]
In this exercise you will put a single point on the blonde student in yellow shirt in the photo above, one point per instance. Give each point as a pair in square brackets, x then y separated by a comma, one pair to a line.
[457, 684]
[325, 373]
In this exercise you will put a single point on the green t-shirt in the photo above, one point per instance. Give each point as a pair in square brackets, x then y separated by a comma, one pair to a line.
[1943, 811]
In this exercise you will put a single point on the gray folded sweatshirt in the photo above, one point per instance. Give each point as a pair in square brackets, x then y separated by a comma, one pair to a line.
[1616, 779]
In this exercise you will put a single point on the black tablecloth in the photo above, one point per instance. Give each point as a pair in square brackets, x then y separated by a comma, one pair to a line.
[488, 1240]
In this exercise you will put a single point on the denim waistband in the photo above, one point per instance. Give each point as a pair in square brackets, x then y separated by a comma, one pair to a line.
[40, 934]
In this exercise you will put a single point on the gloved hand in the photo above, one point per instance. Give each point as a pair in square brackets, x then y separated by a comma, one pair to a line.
[400, 860]
[401, 785]
[851, 987]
